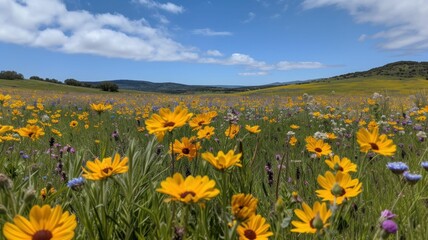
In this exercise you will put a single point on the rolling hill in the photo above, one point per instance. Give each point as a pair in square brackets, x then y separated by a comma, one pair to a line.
[402, 77]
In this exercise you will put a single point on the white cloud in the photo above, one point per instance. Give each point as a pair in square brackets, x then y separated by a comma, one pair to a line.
[48, 24]
[250, 17]
[238, 59]
[169, 7]
[249, 62]
[161, 18]
[405, 22]
[362, 37]
[249, 74]
[214, 53]
[285, 65]
[209, 32]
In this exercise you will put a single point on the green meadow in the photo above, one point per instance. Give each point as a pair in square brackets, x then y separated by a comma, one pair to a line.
[107, 159]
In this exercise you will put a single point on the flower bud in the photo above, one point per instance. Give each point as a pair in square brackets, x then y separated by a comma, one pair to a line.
[317, 222]
[3, 209]
[337, 190]
[279, 205]
[388, 227]
[5, 182]
[29, 196]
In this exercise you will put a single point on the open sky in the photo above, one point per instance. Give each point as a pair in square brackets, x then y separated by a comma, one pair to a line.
[215, 42]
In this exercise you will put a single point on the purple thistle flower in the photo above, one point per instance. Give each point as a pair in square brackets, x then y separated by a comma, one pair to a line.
[386, 214]
[389, 226]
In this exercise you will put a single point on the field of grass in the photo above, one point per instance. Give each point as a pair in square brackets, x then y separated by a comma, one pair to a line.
[58, 148]
[360, 86]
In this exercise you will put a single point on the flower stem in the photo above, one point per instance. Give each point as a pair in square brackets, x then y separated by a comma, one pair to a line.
[224, 202]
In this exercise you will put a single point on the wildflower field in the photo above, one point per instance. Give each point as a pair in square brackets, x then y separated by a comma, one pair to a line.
[154, 166]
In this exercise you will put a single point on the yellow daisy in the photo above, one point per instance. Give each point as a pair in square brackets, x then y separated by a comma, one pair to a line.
[5, 128]
[166, 120]
[74, 123]
[200, 120]
[232, 130]
[255, 228]
[339, 187]
[98, 170]
[313, 219]
[344, 165]
[243, 206]
[372, 141]
[101, 107]
[253, 129]
[31, 131]
[186, 148]
[223, 161]
[189, 190]
[319, 147]
[206, 132]
[45, 223]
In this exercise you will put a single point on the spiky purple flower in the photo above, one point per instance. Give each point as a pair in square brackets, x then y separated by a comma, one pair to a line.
[397, 167]
[425, 165]
[389, 226]
[76, 183]
[412, 178]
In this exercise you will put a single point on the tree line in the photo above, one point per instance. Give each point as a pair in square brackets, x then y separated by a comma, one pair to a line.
[104, 86]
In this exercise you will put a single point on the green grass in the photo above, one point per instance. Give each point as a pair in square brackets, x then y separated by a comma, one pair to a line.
[34, 85]
[360, 86]
[127, 206]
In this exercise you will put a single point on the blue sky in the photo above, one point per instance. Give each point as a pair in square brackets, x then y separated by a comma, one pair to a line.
[216, 42]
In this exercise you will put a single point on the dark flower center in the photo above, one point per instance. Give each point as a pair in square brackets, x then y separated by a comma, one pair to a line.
[185, 151]
[374, 146]
[318, 150]
[201, 122]
[107, 169]
[30, 134]
[42, 235]
[169, 124]
[183, 195]
[250, 234]
[311, 223]
[338, 192]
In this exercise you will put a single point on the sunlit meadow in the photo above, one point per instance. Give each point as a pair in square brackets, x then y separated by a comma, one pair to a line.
[154, 166]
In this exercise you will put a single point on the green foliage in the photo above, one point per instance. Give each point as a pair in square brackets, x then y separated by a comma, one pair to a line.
[73, 82]
[11, 75]
[127, 206]
[108, 87]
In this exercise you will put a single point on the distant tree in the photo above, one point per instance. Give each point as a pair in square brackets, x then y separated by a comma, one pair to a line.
[36, 78]
[88, 85]
[52, 80]
[73, 82]
[108, 87]
[11, 75]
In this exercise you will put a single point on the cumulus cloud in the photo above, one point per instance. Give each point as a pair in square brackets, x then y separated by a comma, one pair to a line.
[238, 59]
[251, 63]
[404, 21]
[48, 24]
[250, 17]
[214, 53]
[209, 32]
[285, 65]
[249, 74]
[169, 7]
